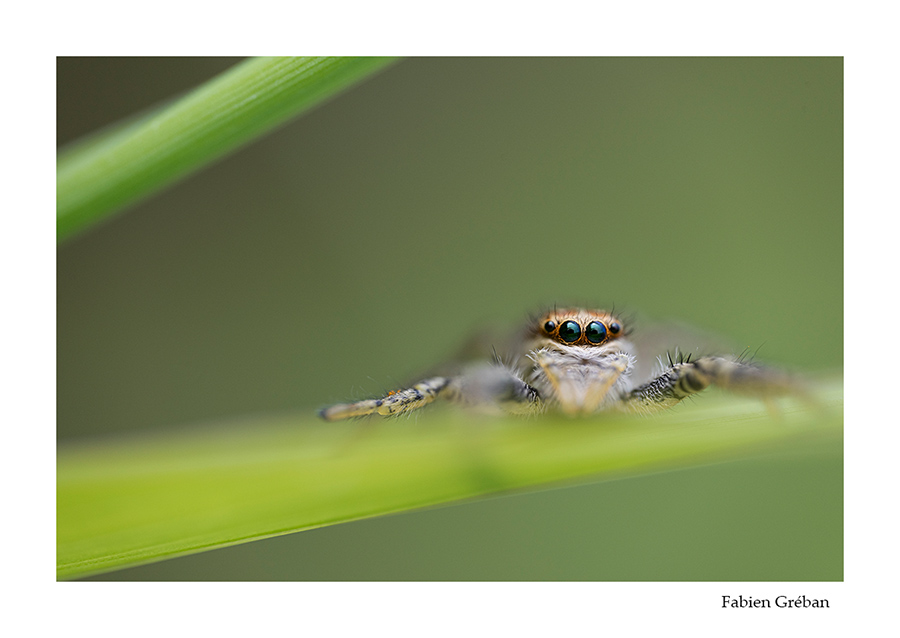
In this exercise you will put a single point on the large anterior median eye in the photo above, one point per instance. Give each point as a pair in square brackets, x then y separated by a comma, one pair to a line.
[595, 332]
[569, 331]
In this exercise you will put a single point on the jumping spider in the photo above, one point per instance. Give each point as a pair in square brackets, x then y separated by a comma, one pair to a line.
[578, 361]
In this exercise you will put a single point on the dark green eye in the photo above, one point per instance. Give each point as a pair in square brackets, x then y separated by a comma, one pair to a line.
[550, 326]
[614, 328]
[596, 332]
[569, 331]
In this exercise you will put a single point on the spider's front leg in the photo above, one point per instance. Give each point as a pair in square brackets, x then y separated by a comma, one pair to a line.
[686, 377]
[394, 402]
[481, 387]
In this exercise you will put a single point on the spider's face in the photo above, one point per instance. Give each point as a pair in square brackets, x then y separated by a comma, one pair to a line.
[576, 327]
[581, 360]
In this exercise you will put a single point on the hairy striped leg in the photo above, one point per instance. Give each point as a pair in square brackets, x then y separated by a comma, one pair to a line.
[485, 387]
[395, 402]
[686, 377]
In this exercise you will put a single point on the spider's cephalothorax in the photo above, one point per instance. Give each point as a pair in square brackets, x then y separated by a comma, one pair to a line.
[577, 361]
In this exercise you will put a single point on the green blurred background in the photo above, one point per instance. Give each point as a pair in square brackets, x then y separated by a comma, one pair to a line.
[362, 242]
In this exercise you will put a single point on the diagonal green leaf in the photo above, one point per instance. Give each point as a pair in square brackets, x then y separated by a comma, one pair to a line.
[126, 501]
[106, 173]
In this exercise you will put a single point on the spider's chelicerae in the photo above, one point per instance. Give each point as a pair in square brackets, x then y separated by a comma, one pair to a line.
[577, 361]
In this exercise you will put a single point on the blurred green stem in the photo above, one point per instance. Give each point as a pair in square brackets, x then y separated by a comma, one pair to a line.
[99, 178]
[124, 501]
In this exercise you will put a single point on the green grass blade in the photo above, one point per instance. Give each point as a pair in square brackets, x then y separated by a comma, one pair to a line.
[127, 501]
[109, 172]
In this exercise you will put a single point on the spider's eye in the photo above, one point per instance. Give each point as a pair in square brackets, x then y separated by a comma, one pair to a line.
[614, 328]
[569, 331]
[550, 326]
[595, 331]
